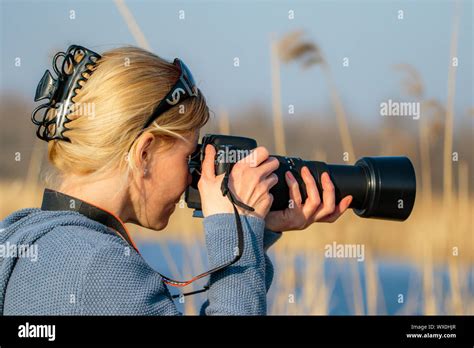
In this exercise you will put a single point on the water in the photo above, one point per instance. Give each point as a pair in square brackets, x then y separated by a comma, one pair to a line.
[400, 283]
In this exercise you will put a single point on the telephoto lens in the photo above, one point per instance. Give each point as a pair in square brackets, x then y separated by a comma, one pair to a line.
[381, 187]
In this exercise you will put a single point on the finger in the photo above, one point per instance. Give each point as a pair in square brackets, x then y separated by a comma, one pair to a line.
[208, 170]
[313, 199]
[268, 183]
[295, 194]
[329, 197]
[268, 167]
[256, 157]
[340, 209]
[264, 187]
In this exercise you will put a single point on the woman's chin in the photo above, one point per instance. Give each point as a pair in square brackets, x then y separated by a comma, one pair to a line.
[161, 221]
[160, 225]
[164, 219]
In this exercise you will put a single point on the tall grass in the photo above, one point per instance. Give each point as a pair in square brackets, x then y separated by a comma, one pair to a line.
[292, 47]
[224, 122]
[448, 131]
[278, 126]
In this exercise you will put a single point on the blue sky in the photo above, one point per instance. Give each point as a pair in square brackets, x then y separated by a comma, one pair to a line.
[214, 32]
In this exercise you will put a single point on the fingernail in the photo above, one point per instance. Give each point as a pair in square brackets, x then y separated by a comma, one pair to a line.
[325, 177]
[290, 176]
[349, 200]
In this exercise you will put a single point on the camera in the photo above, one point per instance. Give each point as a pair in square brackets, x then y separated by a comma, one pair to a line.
[381, 187]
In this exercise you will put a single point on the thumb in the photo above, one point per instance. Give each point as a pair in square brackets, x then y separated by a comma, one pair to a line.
[273, 220]
[208, 169]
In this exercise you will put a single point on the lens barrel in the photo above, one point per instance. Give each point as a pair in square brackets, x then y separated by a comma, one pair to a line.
[381, 187]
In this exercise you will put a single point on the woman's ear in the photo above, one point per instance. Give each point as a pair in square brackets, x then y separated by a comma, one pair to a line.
[144, 150]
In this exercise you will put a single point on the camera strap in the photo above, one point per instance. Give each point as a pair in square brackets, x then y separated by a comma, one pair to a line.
[55, 201]
[227, 192]
[240, 238]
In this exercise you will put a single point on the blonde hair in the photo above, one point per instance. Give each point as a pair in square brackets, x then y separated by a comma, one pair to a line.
[111, 109]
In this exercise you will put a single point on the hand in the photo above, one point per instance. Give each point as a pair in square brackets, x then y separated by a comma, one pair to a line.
[301, 215]
[250, 181]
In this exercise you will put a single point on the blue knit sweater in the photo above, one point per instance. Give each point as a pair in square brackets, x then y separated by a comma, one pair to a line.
[84, 268]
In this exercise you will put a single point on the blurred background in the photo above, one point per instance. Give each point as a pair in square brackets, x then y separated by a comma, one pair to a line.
[306, 79]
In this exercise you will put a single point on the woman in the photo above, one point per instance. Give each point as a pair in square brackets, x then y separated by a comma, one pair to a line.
[125, 160]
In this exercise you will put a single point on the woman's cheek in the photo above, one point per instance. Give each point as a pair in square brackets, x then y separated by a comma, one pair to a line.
[186, 178]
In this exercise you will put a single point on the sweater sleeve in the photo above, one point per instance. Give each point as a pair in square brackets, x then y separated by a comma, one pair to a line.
[116, 280]
[269, 238]
[239, 289]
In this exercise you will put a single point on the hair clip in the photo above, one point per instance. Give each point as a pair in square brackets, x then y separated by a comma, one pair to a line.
[77, 62]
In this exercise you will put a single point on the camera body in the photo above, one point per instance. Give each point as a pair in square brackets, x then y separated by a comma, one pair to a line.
[381, 187]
